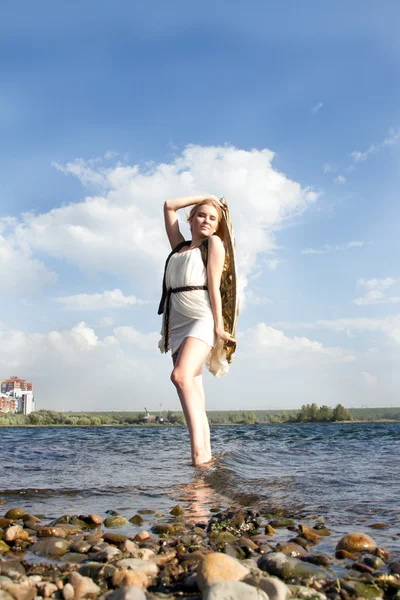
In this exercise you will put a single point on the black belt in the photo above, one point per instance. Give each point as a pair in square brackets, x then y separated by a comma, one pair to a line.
[186, 288]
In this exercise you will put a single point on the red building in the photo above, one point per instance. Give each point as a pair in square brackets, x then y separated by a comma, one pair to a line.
[8, 404]
[15, 383]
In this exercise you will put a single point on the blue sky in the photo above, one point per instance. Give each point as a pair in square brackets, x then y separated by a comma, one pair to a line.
[288, 109]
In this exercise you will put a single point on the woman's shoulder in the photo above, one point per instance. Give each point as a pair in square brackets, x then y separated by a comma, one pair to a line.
[215, 244]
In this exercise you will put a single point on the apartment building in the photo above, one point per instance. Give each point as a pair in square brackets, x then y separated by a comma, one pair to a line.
[15, 383]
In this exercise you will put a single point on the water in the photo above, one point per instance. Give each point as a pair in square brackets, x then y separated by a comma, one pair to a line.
[347, 474]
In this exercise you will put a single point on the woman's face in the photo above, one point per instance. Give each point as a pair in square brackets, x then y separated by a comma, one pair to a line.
[205, 221]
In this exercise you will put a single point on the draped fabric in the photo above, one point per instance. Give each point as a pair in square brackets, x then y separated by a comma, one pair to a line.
[190, 312]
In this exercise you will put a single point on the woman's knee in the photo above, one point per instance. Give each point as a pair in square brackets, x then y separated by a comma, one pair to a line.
[179, 378]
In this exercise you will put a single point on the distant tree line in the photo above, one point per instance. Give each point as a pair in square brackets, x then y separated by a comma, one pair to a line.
[309, 413]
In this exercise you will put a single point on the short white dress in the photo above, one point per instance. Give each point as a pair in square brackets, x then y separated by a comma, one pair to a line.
[190, 312]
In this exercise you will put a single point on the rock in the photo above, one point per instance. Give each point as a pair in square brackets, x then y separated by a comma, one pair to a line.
[74, 558]
[83, 586]
[318, 558]
[233, 590]
[51, 547]
[272, 586]
[290, 548]
[367, 591]
[136, 578]
[92, 519]
[51, 532]
[279, 523]
[137, 564]
[5, 595]
[142, 536]
[235, 521]
[136, 520]
[216, 567]
[115, 538]
[115, 521]
[129, 547]
[127, 593]
[47, 588]
[285, 567]
[356, 542]
[5, 523]
[306, 593]
[12, 568]
[80, 546]
[68, 592]
[394, 567]
[165, 529]
[15, 532]
[19, 591]
[105, 554]
[177, 511]
[14, 513]
[269, 530]
[309, 534]
[4, 547]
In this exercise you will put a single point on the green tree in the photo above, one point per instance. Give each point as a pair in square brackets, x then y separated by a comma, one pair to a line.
[340, 413]
[325, 414]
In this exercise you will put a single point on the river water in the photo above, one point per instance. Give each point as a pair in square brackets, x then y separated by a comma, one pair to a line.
[345, 474]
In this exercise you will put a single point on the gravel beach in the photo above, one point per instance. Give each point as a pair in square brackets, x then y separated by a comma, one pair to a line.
[235, 554]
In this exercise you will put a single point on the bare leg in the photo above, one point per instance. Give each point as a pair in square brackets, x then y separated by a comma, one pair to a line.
[191, 357]
[199, 383]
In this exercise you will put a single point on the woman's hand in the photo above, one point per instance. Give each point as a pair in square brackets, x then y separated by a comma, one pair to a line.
[225, 337]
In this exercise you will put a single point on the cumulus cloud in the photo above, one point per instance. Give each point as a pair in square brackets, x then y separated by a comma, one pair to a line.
[108, 299]
[19, 272]
[119, 229]
[327, 248]
[281, 351]
[77, 369]
[388, 325]
[376, 292]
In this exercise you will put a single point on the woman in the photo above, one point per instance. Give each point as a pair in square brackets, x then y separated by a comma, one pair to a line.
[193, 322]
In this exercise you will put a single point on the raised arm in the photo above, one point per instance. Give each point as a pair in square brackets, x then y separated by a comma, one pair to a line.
[215, 265]
[171, 218]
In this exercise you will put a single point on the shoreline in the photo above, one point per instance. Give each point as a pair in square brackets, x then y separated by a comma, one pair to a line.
[176, 556]
[353, 422]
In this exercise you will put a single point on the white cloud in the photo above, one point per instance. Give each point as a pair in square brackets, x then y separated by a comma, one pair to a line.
[317, 107]
[19, 272]
[145, 341]
[370, 380]
[106, 322]
[253, 298]
[340, 179]
[327, 168]
[388, 325]
[376, 292]
[391, 140]
[281, 351]
[108, 299]
[120, 230]
[272, 263]
[327, 248]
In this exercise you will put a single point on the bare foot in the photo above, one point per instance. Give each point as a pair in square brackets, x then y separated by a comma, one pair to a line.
[201, 458]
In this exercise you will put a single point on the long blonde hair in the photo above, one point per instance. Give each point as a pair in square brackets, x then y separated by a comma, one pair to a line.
[220, 232]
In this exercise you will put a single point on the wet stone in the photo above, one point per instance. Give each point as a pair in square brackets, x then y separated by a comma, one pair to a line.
[356, 542]
[4, 547]
[272, 586]
[394, 567]
[51, 547]
[233, 590]
[83, 586]
[137, 564]
[287, 568]
[216, 567]
[290, 548]
[177, 511]
[318, 558]
[281, 523]
[136, 520]
[12, 568]
[14, 513]
[234, 521]
[130, 592]
[74, 557]
[115, 521]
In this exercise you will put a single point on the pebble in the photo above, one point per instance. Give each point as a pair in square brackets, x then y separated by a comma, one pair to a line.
[272, 586]
[115, 521]
[355, 542]
[68, 592]
[83, 586]
[137, 564]
[14, 513]
[285, 567]
[216, 567]
[127, 593]
[233, 590]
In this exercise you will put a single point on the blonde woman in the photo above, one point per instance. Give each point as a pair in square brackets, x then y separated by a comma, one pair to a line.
[193, 325]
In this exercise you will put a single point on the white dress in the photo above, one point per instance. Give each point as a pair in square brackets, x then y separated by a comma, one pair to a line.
[190, 312]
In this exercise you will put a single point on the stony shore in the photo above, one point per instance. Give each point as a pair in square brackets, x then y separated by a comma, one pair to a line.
[238, 554]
